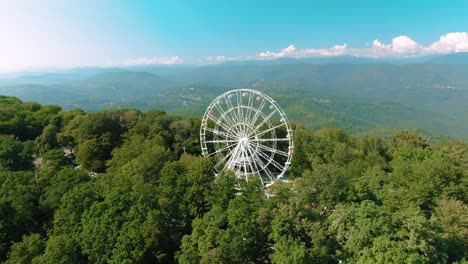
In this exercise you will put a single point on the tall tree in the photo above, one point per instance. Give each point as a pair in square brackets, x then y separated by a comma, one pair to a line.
[14, 155]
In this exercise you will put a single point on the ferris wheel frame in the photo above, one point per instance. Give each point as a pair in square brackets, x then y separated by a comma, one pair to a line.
[244, 129]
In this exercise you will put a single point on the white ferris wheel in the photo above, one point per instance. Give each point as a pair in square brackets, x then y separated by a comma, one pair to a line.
[247, 132]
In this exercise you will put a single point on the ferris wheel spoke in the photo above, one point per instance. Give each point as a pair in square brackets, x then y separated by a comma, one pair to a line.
[228, 127]
[229, 106]
[242, 164]
[268, 139]
[234, 157]
[232, 126]
[263, 166]
[258, 160]
[219, 108]
[244, 160]
[217, 132]
[221, 124]
[239, 103]
[229, 122]
[229, 162]
[224, 116]
[224, 158]
[270, 129]
[220, 150]
[252, 164]
[252, 156]
[243, 127]
[231, 110]
[221, 141]
[270, 160]
[245, 111]
[249, 108]
[248, 115]
[269, 174]
[272, 150]
[257, 113]
[241, 159]
[266, 119]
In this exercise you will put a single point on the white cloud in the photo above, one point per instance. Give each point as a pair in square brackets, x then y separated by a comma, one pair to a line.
[449, 43]
[217, 59]
[400, 47]
[286, 52]
[154, 60]
[405, 45]
[292, 52]
[336, 50]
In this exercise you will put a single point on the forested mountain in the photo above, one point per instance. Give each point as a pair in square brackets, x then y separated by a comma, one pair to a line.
[129, 186]
[355, 94]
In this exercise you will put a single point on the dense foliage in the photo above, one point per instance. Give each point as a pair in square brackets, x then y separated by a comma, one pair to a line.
[122, 186]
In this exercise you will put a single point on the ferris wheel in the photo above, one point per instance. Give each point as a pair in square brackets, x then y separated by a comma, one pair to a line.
[247, 132]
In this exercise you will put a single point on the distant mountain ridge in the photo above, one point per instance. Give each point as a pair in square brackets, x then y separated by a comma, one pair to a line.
[455, 58]
[359, 96]
[63, 76]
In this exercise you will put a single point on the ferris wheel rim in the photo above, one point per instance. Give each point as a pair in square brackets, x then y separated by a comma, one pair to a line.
[235, 137]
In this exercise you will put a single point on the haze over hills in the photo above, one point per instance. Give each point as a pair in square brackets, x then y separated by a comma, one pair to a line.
[357, 94]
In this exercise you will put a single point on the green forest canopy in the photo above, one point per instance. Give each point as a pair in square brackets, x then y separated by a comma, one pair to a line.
[354, 199]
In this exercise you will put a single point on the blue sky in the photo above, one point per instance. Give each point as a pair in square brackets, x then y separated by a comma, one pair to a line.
[59, 33]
